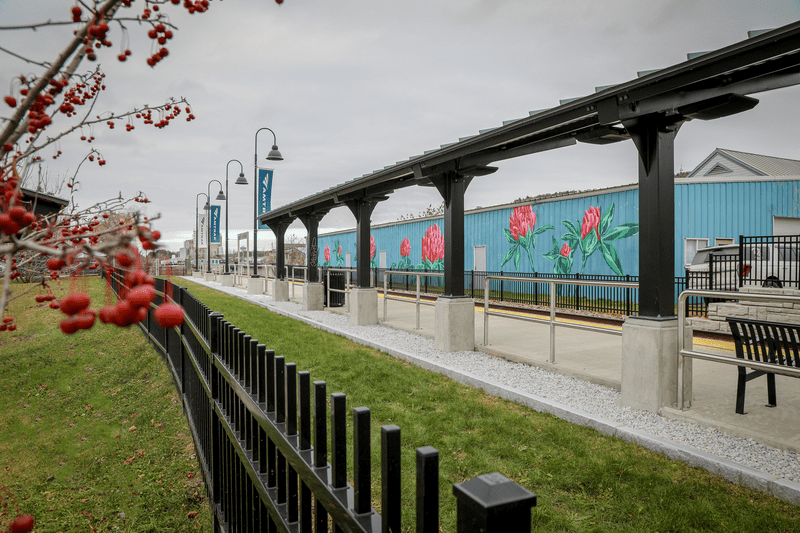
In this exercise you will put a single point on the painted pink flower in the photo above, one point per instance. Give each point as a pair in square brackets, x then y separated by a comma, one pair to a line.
[327, 253]
[433, 244]
[405, 248]
[522, 221]
[340, 250]
[371, 247]
[591, 221]
[565, 250]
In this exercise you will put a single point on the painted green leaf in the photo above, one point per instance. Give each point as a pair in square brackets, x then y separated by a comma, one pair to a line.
[569, 261]
[622, 231]
[571, 227]
[612, 258]
[555, 244]
[589, 244]
[509, 255]
[552, 255]
[516, 257]
[542, 229]
[509, 237]
[572, 240]
[605, 219]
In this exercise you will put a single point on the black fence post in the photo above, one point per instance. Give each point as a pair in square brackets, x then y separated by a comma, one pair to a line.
[427, 490]
[627, 296]
[501, 287]
[492, 503]
[390, 479]
[361, 461]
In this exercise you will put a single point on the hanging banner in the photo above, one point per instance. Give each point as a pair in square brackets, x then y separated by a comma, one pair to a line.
[200, 238]
[215, 214]
[264, 193]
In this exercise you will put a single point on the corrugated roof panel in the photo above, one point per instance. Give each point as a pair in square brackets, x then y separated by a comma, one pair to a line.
[643, 73]
[568, 100]
[430, 151]
[692, 55]
[415, 156]
[388, 166]
[487, 129]
[445, 145]
[536, 112]
[756, 33]
[513, 120]
[771, 166]
[465, 138]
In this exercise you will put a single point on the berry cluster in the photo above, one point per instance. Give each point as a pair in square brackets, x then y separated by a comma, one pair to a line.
[15, 219]
[79, 93]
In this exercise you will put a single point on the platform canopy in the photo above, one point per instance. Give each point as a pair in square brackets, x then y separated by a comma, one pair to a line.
[648, 110]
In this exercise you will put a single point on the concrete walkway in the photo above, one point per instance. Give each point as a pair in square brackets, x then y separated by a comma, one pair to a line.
[596, 357]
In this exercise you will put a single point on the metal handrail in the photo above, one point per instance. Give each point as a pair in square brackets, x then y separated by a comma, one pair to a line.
[728, 295]
[417, 302]
[347, 283]
[552, 321]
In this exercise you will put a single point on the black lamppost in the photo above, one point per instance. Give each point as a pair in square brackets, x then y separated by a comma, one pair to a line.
[197, 231]
[274, 155]
[220, 196]
[241, 180]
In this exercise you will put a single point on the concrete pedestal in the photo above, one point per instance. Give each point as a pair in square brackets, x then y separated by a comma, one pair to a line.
[363, 306]
[227, 280]
[197, 274]
[313, 297]
[280, 290]
[455, 324]
[255, 285]
[650, 364]
[208, 276]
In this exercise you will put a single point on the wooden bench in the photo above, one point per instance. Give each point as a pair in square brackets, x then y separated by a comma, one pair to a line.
[766, 342]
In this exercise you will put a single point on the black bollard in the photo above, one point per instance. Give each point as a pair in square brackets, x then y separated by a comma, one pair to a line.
[492, 503]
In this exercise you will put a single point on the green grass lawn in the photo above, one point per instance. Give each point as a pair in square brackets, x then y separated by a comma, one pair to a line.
[585, 481]
[92, 437]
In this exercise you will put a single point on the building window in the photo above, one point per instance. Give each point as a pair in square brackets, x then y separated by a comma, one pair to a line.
[690, 247]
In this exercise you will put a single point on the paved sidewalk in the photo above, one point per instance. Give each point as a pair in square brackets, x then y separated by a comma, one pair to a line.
[596, 357]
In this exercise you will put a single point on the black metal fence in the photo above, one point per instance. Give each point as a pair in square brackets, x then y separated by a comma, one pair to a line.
[261, 430]
[770, 261]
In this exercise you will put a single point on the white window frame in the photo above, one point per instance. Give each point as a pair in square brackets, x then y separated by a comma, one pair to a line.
[687, 249]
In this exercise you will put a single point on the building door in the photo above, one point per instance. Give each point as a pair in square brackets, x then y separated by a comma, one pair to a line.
[785, 226]
[347, 260]
[382, 260]
[480, 258]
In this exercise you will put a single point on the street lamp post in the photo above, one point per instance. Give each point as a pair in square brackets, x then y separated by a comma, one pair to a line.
[274, 155]
[241, 180]
[197, 231]
[220, 196]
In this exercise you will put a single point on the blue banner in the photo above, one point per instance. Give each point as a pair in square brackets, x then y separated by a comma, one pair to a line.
[215, 213]
[264, 193]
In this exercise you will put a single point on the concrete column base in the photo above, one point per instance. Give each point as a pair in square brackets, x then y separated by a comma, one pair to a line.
[208, 276]
[197, 274]
[227, 280]
[313, 297]
[255, 285]
[280, 290]
[363, 306]
[455, 324]
[650, 364]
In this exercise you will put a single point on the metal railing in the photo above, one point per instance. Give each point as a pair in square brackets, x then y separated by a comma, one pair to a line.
[418, 302]
[705, 356]
[347, 282]
[552, 320]
[251, 414]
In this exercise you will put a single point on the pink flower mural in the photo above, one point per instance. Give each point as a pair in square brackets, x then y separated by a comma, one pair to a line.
[372, 262]
[591, 221]
[405, 248]
[327, 253]
[522, 235]
[522, 221]
[595, 233]
[433, 248]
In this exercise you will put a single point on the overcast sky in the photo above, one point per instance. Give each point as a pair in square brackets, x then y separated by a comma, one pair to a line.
[355, 85]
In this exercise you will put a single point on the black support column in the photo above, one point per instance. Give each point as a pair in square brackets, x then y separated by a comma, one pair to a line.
[452, 187]
[362, 211]
[311, 222]
[278, 227]
[654, 136]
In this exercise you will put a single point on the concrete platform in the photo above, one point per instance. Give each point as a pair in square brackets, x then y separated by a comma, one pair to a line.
[597, 357]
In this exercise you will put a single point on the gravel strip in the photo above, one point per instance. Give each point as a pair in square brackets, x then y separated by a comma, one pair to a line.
[579, 395]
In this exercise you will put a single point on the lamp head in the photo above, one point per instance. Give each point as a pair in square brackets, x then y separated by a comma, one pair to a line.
[221, 195]
[206, 207]
[274, 154]
[241, 180]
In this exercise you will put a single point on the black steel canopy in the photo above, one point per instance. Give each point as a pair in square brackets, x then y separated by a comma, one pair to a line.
[648, 110]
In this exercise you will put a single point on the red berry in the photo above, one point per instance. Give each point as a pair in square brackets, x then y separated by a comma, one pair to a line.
[8, 225]
[74, 303]
[76, 11]
[7, 147]
[85, 319]
[68, 325]
[11, 101]
[17, 212]
[23, 524]
[168, 315]
[141, 296]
